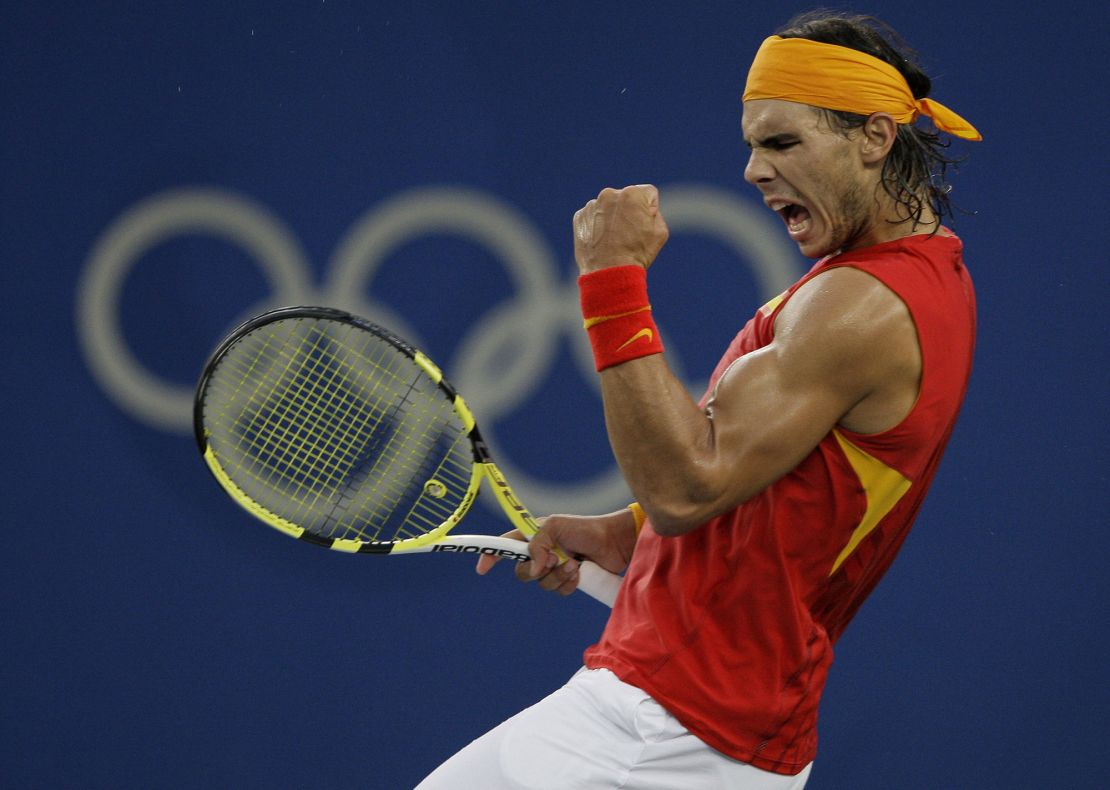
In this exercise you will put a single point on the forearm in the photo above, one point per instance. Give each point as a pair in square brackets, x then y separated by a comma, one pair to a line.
[831, 355]
[663, 443]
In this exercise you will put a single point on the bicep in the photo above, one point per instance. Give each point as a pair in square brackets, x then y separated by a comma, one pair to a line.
[833, 351]
[768, 413]
[830, 353]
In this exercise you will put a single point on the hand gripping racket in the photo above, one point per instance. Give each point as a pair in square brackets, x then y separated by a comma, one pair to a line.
[339, 433]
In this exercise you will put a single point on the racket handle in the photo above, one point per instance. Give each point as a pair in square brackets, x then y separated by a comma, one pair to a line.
[598, 583]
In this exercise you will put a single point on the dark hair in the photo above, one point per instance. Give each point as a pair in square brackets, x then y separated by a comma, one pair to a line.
[914, 171]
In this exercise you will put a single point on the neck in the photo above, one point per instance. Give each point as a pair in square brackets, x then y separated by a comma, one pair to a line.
[890, 224]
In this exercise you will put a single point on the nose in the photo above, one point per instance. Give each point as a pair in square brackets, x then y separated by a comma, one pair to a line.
[758, 170]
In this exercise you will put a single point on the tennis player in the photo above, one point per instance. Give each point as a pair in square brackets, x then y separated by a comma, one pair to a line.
[769, 510]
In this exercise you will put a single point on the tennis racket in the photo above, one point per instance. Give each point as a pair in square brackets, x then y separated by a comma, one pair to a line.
[335, 431]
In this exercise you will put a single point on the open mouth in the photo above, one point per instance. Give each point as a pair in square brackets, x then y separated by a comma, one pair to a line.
[795, 216]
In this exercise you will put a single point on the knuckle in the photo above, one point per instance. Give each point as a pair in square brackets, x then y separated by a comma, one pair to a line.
[549, 583]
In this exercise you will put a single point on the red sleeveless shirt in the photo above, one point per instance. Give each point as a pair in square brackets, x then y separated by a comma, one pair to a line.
[730, 627]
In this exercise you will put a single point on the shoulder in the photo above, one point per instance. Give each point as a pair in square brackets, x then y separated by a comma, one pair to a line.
[847, 326]
[840, 302]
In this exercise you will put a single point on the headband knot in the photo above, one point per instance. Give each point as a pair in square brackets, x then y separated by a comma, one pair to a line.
[842, 79]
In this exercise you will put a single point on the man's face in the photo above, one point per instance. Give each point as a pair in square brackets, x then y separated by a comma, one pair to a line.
[811, 175]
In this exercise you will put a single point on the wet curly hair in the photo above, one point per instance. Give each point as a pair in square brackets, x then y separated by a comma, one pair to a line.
[915, 172]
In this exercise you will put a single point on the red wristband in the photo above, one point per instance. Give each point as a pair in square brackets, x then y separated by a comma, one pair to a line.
[617, 315]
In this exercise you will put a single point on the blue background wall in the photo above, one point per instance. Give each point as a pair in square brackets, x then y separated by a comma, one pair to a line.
[155, 636]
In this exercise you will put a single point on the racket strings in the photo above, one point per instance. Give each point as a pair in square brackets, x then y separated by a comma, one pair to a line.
[339, 433]
[310, 440]
[293, 437]
[312, 435]
[377, 491]
[424, 429]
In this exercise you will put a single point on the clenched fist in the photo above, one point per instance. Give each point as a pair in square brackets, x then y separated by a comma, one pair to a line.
[618, 228]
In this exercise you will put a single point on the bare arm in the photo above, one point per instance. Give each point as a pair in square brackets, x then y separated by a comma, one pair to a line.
[844, 352]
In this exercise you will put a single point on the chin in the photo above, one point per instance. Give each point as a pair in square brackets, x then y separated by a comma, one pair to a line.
[816, 248]
[815, 251]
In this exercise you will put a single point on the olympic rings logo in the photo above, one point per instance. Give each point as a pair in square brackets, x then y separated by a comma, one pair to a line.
[494, 374]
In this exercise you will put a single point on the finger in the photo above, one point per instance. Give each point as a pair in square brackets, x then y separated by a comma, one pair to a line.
[579, 225]
[486, 562]
[570, 583]
[661, 229]
[536, 568]
[569, 586]
[649, 194]
[583, 223]
[559, 576]
[544, 555]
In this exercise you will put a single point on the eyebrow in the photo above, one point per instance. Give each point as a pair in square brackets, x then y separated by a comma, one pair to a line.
[774, 140]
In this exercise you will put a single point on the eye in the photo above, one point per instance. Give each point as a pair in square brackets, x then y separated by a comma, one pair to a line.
[773, 143]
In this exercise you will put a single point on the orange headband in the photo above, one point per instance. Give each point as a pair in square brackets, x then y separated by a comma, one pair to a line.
[844, 79]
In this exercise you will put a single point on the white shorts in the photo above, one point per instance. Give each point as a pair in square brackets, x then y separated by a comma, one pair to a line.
[598, 733]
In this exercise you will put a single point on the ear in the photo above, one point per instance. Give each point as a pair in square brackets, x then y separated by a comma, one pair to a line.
[879, 133]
